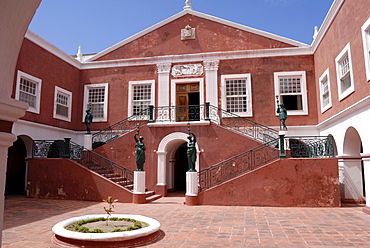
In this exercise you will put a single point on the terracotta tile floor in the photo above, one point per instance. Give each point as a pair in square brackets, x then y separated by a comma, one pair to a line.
[28, 223]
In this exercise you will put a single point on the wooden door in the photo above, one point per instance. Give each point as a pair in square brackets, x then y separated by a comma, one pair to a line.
[182, 100]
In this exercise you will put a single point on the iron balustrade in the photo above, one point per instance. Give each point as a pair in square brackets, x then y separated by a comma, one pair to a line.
[297, 147]
[47, 148]
[101, 165]
[181, 113]
[310, 147]
[186, 113]
[242, 125]
[120, 128]
[85, 157]
[234, 166]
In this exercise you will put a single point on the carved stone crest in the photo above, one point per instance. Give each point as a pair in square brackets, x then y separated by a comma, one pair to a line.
[187, 70]
[188, 33]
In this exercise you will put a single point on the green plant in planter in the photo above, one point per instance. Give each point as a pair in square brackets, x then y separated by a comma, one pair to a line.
[109, 210]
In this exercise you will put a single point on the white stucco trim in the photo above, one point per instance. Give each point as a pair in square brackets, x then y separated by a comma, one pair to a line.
[187, 58]
[166, 150]
[184, 81]
[334, 9]
[52, 49]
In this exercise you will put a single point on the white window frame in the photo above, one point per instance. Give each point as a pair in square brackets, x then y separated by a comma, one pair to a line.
[69, 103]
[322, 78]
[345, 52]
[86, 97]
[131, 92]
[365, 30]
[38, 83]
[247, 78]
[302, 74]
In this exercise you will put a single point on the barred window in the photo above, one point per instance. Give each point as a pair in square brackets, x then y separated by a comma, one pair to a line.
[291, 93]
[325, 90]
[28, 90]
[63, 104]
[236, 95]
[141, 98]
[366, 44]
[290, 88]
[96, 99]
[344, 73]
[324, 86]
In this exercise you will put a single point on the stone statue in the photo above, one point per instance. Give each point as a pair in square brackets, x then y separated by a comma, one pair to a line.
[140, 152]
[88, 120]
[282, 116]
[191, 152]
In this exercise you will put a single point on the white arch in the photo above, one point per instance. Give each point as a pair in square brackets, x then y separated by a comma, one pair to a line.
[166, 152]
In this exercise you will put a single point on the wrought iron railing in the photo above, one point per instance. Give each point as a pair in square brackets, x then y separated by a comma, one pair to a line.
[183, 113]
[85, 157]
[310, 147]
[96, 162]
[120, 128]
[242, 125]
[237, 165]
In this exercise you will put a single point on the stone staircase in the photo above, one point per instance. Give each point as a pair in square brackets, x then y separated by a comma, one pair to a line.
[124, 182]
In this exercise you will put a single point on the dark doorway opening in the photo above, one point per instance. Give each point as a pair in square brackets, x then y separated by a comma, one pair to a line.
[16, 169]
[194, 114]
[181, 167]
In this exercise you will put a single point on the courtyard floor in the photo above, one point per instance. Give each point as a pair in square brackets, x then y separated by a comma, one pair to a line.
[28, 223]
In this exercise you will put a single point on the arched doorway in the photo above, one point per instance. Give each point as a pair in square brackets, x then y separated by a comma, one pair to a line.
[351, 174]
[181, 167]
[16, 168]
[169, 170]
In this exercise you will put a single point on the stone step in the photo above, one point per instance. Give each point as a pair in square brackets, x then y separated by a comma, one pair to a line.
[149, 193]
[152, 198]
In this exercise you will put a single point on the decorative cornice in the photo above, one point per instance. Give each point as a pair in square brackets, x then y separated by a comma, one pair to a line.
[211, 64]
[188, 58]
[164, 67]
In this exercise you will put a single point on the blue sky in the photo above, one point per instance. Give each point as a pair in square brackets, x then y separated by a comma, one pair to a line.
[99, 24]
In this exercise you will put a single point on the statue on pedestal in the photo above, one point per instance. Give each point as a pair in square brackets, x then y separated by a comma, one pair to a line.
[88, 120]
[192, 151]
[282, 116]
[140, 151]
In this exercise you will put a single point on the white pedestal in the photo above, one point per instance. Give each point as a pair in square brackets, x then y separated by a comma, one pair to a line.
[139, 182]
[191, 183]
[88, 141]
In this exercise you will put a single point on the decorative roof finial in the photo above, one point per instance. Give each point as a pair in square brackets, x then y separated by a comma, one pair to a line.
[187, 5]
[315, 32]
[79, 54]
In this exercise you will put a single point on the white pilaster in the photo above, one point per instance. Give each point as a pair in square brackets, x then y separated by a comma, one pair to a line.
[161, 173]
[163, 83]
[211, 68]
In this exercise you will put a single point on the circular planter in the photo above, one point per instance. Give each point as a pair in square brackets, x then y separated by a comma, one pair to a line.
[66, 238]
